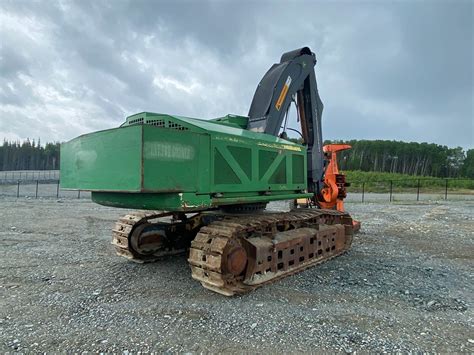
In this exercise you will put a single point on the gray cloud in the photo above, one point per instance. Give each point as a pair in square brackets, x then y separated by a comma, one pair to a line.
[398, 70]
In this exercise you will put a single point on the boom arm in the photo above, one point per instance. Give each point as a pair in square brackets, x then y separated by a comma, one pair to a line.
[293, 76]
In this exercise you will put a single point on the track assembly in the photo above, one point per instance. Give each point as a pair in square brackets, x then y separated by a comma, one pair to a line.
[236, 255]
[138, 239]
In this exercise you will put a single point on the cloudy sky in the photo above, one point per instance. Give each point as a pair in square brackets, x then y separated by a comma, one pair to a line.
[398, 70]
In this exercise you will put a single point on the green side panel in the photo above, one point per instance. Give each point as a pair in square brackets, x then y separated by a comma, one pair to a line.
[171, 159]
[106, 160]
[279, 176]
[243, 156]
[298, 169]
[265, 159]
[245, 165]
[223, 173]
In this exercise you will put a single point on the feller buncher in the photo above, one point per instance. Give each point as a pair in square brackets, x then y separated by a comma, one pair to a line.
[202, 185]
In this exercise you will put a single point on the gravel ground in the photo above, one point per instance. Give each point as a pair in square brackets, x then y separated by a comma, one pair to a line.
[406, 285]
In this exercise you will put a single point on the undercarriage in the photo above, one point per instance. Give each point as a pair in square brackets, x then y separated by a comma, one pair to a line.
[236, 253]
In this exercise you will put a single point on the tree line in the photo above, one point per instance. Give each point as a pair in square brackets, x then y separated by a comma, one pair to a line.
[29, 155]
[418, 159]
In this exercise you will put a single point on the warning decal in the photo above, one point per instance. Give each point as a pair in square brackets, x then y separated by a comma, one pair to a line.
[283, 93]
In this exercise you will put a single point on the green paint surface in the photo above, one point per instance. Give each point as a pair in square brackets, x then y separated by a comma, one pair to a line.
[156, 161]
[107, 160]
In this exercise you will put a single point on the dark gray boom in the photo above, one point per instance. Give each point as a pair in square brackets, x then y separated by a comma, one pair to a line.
[293, 77]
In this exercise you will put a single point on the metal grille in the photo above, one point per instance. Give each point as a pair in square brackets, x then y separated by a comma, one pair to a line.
[177, 126]
[158, 123]
[136, 121]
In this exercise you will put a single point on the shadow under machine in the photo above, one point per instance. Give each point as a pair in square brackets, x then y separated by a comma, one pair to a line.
[202, 185]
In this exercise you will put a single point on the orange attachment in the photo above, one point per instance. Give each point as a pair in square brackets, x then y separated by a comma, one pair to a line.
[334, 190]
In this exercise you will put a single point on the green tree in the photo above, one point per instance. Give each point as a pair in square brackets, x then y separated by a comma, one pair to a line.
[467, 169]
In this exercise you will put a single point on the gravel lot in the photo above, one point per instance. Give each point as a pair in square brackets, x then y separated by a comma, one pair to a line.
[406, 285]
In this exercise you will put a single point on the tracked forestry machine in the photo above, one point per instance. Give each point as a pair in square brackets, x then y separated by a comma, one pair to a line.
[202, 185]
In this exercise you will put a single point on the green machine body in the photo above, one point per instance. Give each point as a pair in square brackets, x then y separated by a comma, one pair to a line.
[162, 162]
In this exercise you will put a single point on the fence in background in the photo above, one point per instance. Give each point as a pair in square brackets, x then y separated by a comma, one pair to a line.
[35, 184]
[45, 183]
[8, 177]
[411, 189]
[39, 189]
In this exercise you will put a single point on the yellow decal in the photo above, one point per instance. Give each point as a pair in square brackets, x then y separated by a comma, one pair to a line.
[280, 146]
[283, 93]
